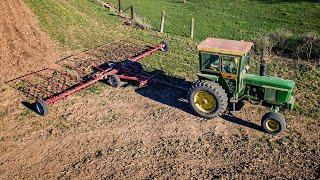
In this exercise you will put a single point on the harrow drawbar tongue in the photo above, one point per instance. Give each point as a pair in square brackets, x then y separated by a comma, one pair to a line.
[59, 85]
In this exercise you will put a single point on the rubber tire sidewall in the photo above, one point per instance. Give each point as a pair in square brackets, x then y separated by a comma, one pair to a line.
[41, 107]
[116, 83]
[275, 116]
[211, 115]
[166, 47]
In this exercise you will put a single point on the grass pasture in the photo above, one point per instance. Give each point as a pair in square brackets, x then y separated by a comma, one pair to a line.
[245, 19]
[75, 24]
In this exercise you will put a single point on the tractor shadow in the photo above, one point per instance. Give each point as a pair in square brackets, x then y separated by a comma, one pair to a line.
[164, 94]
[231, 118]
[177, 98]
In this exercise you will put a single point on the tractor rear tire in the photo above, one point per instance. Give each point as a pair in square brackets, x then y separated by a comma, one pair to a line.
[113, 80]
[208, 99]
[41, 107]
[273, 123]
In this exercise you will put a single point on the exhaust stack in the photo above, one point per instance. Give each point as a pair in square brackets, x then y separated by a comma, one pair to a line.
[263, 65]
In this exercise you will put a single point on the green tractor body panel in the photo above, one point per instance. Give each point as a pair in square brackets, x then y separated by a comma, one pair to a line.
[276, 91]
[269, 81]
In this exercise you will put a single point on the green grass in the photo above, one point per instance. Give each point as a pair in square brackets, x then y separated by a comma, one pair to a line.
[75, 24]
[242, 19]
[79, 24]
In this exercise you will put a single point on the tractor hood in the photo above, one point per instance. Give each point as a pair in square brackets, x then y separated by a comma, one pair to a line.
[268, 81]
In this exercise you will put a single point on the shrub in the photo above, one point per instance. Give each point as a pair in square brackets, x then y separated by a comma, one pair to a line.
[138, 22]
[265, 44]
[284, 43]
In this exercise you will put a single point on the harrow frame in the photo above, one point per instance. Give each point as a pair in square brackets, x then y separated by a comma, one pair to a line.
[128, 70]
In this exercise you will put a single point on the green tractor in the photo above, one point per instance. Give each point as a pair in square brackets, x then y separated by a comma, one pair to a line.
[224, 79]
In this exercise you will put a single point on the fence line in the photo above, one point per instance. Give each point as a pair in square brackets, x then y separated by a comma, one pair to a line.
[133, 15]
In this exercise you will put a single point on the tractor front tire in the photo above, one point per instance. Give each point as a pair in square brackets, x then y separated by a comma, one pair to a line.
[113, 80]
[41, 107]
[208, 99]
[273, 123]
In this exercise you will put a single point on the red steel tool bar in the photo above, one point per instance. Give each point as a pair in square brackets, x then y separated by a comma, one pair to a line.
[80, 86]
[148, 53]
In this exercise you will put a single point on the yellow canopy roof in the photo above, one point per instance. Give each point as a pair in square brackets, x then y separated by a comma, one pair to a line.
[224, 46]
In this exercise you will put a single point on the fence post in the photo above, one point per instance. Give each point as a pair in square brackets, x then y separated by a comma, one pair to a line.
[132, 12]
[162, 21]
[120, 6]
[192, 28]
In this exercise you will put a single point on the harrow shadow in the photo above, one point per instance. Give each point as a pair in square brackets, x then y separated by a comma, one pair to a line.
[29, 105]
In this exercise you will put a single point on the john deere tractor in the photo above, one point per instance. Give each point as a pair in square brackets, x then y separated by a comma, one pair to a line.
[224, 79]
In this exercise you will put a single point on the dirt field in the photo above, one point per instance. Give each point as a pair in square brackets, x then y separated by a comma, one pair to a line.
[131, 132]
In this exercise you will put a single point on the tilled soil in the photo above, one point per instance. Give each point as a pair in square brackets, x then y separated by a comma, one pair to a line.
[22, 43]
[131, 132]
[123, 133]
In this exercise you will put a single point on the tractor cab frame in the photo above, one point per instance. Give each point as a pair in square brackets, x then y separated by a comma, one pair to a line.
[225, 62]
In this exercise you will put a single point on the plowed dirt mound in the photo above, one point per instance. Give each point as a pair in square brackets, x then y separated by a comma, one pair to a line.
[23, 46]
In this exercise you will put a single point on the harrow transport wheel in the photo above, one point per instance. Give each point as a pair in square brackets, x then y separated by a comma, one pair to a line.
[208, 99]
[273, 123]
[165, 47]
[41, 107]
[114, 80]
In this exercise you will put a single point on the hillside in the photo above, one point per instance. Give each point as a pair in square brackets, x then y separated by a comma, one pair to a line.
[145, 133]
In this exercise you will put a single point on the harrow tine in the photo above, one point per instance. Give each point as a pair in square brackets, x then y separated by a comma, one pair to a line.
[50, 81]
[26, 90]
[37, 87]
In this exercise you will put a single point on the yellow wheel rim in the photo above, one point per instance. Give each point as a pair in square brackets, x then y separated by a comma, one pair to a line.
[205, 101]
[272, 125]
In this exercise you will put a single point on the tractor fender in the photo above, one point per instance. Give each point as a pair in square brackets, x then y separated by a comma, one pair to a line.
[209, 77]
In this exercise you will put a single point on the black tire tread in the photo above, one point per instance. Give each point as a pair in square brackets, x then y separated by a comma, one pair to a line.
[167, 47]
[44, 106]
[276, 116]
[218, 91]
[118, 80]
